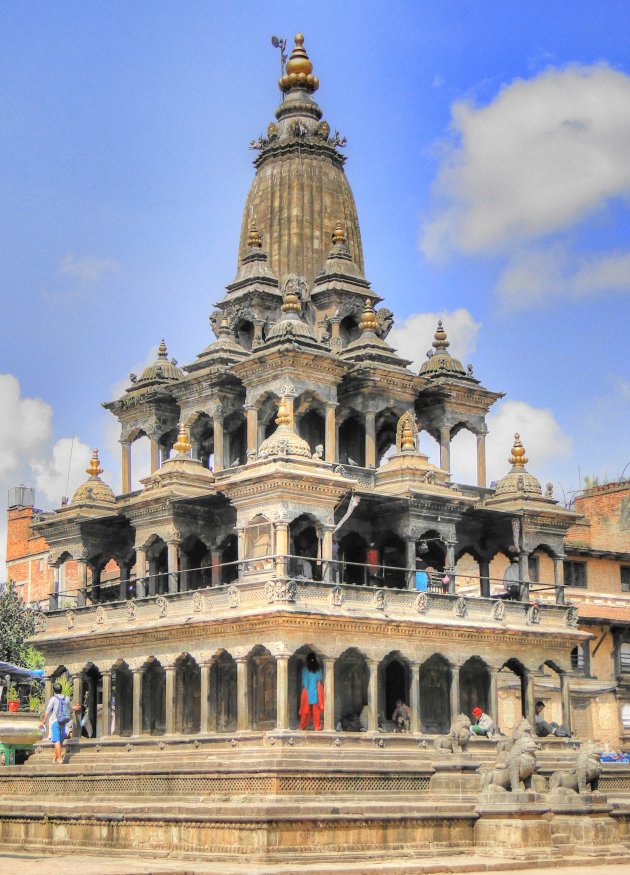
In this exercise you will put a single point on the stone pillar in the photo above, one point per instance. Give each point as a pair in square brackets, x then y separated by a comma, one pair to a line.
[152, 576]
[484, 578]
[81, 581]
[242, 694]
[125, 448]
[184, 575]
[281, 548]
[454, 692]
[173, 565]
[523, 573]
[257, 339]
[53, 598]
[106, 707]
[493, 695]
[565, 694]
[137, 700]
[414, 697]
[450, 565]
[370, 440]
[530, 699]
[330, 435]
[217, 559]
[76, 689]
[124, 580]
[481, 460]
[141, 572]
[329, 694]
[282, 691]
[204, 683]
[445, 448]
[411, 562]
[252, 429]
[96, 585]
[170, 672]
[155, 455]
[217, 424]
[48, 684]
[558, 578]
[327, 555]
[372, 695]
[335, 340]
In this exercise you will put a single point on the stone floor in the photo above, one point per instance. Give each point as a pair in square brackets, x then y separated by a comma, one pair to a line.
[84, 864]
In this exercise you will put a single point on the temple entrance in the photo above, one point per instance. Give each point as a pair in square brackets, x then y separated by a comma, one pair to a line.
[261, 667]
[122, 700]
[223, 701]
[153, 699]
[91, 700]
[512, 691]
[187, 695]
[394, 684]
[435, 685]
[296, 663]
[351, 685]
[474, 687]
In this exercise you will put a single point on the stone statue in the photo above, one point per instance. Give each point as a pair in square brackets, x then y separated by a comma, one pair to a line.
[406, 423]
[584, 776]
[523, 728]
[520, 766]
[319, 452]
[457, 739]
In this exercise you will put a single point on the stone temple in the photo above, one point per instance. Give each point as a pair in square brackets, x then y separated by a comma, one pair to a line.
[290, 511]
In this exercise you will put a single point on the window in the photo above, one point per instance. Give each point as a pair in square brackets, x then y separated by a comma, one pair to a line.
[574, 573]
[577, 658]
[534, 569]
[625, 716]
[625, 578]
[624, 657]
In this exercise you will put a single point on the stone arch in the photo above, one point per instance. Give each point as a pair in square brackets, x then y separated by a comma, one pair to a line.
[386, 424]
[195, 563]
[157, 564]
[351, 684]
[297, 661]
[394, 683]
[91, 701]
[222, 705]
[467, 571]
[393, 554]
[349, 329]
[351, 442]
[512, 691]
[234, 439]
[352, 555]
[435, 685]
[244, 332]
[262, 681]
[434, 556]
[122, 698]
[187, 695]
[201, 434]
[500, 560]
[258, 543]
[153, 697]
[228, 548]
[474, 686]
[304, 547]
[541, 563]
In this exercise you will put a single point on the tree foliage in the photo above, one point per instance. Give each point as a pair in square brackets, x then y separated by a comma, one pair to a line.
[16, 626]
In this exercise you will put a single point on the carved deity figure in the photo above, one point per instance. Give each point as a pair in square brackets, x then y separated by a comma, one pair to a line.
[518, 770]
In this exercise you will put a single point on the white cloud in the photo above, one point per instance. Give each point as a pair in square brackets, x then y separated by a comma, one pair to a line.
[546, 153]
[414, 336]
[88, 270]
[62, 471]
[25, 426]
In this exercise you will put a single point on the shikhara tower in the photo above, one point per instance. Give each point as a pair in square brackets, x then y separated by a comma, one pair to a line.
[238, 556]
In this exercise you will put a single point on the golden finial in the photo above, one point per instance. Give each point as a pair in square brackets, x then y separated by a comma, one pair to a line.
[94, 468]
[407, 437]
[283, 417]
[339, 234]
[162, 353]
[224, 327]
[440, 341]
[254, 238]
[368, 318]
[291, 302]
[299, 69]
[182, 445]
[518, 459]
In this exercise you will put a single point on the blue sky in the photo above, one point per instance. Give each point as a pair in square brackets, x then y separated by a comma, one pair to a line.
[487, 151]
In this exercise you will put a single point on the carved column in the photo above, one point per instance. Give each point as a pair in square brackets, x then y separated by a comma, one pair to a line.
[530, 699]
[330, 439]
[125, 448]
[450, 565]
[327, 554]
[106, 707]
[329, 694]
[565, 695]
[205, 668]
[282, 691]
[281, 548]
[81, 581]
[170, 672]
[493, 695]
[48, 684]
[137, 700]
[523, 573]
[152, 576]
[481, 459]
[455, 706]
[217, 424]
[141, 572]
[76, 689]
[373, 695]
[411, 562]
[484, 578]
[445, 448]
[155, 455]
[173, 564]
[252, 429]
[242, 694]
[336, 344]
[53, 598]
[217, 559]
[257, 339]
[558, 578]
[184, 572]
[370, 440]
[414, 697]
[96, 584]
[124, 580]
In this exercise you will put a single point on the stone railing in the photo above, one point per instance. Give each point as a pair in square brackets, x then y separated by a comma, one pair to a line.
[265, 594]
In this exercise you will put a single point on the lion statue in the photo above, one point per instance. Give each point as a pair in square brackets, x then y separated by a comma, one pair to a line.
[522, 728]
[584, 775]
[520, 766]
[457, 739]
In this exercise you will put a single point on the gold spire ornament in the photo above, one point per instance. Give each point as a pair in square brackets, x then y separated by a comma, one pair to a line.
[162, 353]
[368, 320]
[94, 468]
[299, 69]
[254, 237]
[518, 459]
[339, 234]
[291, 302]
[182, 445]
[283, 417]
[440, 341]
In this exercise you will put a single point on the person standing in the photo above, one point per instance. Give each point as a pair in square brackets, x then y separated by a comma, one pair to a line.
[58, 715]
[312, 697]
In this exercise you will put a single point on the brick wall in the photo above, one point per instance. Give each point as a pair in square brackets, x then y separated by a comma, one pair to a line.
[607, 510]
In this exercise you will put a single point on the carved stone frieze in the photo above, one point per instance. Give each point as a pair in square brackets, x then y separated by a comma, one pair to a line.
[130, 608]
[234, 596]
[498, 611]
[336, 597]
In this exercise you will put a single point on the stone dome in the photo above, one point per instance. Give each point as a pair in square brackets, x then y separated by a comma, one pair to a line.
[94, 490]
[518, 481]
[284, 441]
[291, 325]
[162, 370]
[300, 190]
[441, 362]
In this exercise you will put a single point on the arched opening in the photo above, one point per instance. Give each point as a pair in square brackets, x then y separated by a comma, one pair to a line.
[153, 698]
[348, 330]
[222, 706]
[435, 685]
[202, 439]
[499, 564]
[352, 440]
[310, 420]
[140, 460]
[235, 440]
[195, 563]
[261, 668]
[157, 558]
[511, 688]
[394, 684]
[304, 548]
[228, 548]
[386, 424]
[431, 551]
[267, 413]
[91, 702]
[122, 699]
[394, 559]
[351, 690]
[187, 695]
[540, 568]
[244, 333]
[352, 555]
[474, 686]
[429, 446]
[463, 454]
[258, 544]
[296, 663]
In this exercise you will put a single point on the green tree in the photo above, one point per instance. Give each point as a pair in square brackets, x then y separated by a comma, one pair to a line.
[16, 625]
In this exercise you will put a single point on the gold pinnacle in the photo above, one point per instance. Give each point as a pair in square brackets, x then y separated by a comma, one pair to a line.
[368, 318]
[339, 234]
[518, 459]
[283, 417]
[254, 238]
[440, 341]
[291, 303]
[162, 353]
[94, 468]
[182, 444]
[407, 442]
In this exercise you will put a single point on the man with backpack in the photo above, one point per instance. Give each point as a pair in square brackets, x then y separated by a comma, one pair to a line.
[59, 715]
